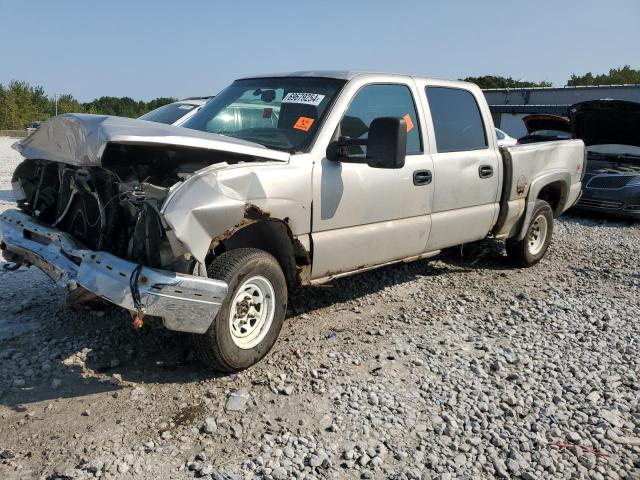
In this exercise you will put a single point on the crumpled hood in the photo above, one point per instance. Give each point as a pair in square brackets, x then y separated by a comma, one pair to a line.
[80, 139]
[601, 122]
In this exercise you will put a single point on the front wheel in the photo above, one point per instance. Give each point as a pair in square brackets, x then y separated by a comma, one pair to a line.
[250, 318]
[530, 250]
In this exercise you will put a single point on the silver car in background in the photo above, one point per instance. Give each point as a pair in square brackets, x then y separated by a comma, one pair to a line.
[33, 126]
[504, 139]
[176, 113]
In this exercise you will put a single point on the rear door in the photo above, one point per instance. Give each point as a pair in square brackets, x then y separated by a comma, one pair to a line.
[466, 165]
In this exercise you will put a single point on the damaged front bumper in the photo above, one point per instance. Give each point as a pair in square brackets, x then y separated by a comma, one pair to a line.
[185, 303]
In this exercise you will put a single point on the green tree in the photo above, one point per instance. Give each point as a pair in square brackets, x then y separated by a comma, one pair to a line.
[124, 106]
[68, 104]
[157, 102]
[492, 81]
[23, 95]
[21, 104]
[8, 111]
[616, 76]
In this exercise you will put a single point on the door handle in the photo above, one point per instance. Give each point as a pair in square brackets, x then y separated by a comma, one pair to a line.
[422, 177]
[485, 171]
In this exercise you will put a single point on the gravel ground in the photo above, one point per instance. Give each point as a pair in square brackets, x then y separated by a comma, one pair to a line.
[459, 367]
[13, 299]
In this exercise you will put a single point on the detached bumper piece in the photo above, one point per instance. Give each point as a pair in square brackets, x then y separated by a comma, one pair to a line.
[184, 302]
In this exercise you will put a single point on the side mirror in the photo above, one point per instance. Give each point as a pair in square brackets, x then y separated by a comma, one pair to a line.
[387, 142]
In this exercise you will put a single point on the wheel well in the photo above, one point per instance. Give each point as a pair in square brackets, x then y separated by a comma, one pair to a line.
[275, 237]
[554, 194]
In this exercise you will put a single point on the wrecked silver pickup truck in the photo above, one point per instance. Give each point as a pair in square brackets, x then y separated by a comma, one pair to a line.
[279, 181]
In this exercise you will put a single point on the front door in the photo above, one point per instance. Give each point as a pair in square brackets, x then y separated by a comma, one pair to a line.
[364, 216]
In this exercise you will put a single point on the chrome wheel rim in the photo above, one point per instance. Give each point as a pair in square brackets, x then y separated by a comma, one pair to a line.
[537, 234]
[252, 312]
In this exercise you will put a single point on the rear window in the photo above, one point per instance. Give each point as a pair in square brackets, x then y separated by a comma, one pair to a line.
[456, 118]
[168, 113]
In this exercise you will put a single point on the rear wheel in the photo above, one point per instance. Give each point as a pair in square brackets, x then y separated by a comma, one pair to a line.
[530, 250]
[249, 321]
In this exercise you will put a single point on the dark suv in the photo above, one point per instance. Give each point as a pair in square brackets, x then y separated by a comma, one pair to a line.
[611, 131]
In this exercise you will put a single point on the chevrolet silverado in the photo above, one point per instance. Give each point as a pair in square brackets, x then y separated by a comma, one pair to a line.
[207, 226]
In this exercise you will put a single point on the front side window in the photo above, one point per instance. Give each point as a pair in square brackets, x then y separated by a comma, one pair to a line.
[375, 101]
[281, 113]
[457, 122]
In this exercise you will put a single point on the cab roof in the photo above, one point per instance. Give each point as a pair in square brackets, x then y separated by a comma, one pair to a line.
[338, 74]
[346, 75]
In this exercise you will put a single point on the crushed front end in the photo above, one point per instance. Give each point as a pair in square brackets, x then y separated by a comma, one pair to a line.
[126, 210]
[90, 193]
[185, 303]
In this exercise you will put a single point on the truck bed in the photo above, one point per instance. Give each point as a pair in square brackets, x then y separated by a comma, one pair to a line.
[529, 165]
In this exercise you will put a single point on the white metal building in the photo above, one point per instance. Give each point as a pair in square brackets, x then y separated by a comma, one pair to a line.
[509, 105]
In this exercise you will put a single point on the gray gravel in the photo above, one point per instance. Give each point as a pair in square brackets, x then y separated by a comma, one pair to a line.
[459, 367]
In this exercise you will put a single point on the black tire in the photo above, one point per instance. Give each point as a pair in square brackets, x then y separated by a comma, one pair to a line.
[522, 252]
[216, 348]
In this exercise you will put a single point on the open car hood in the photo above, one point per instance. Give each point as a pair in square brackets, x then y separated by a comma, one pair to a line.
[543, 121]
[600, 122]
[81, 139]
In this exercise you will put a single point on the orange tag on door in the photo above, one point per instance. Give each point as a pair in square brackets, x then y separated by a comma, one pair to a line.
[409, 122]
[303, 123]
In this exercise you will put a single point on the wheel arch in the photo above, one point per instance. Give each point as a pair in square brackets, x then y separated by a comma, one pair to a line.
[259, 229]
[552, 187]
[555, 194]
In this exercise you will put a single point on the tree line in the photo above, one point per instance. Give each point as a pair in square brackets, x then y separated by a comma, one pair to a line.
[616, 76]
[22, 103]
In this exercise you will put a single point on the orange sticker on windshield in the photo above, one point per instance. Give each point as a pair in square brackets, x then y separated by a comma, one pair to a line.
[303, 123]
[409, 122]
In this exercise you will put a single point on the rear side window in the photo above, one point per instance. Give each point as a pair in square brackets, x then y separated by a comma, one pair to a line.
[375, 101]
[456, 120]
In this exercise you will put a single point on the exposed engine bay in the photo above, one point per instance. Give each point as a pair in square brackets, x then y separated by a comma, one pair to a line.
[114, 207]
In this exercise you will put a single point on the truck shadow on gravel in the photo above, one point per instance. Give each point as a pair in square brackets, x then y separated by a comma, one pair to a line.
[485, 255]
[90, 350]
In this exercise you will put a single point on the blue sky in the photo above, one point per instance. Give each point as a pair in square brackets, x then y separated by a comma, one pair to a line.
[145, 49]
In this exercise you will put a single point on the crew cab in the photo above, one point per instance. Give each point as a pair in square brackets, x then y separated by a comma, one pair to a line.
[207, 227]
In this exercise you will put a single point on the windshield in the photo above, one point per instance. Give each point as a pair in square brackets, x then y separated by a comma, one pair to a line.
[168, 113]
[280, 113]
